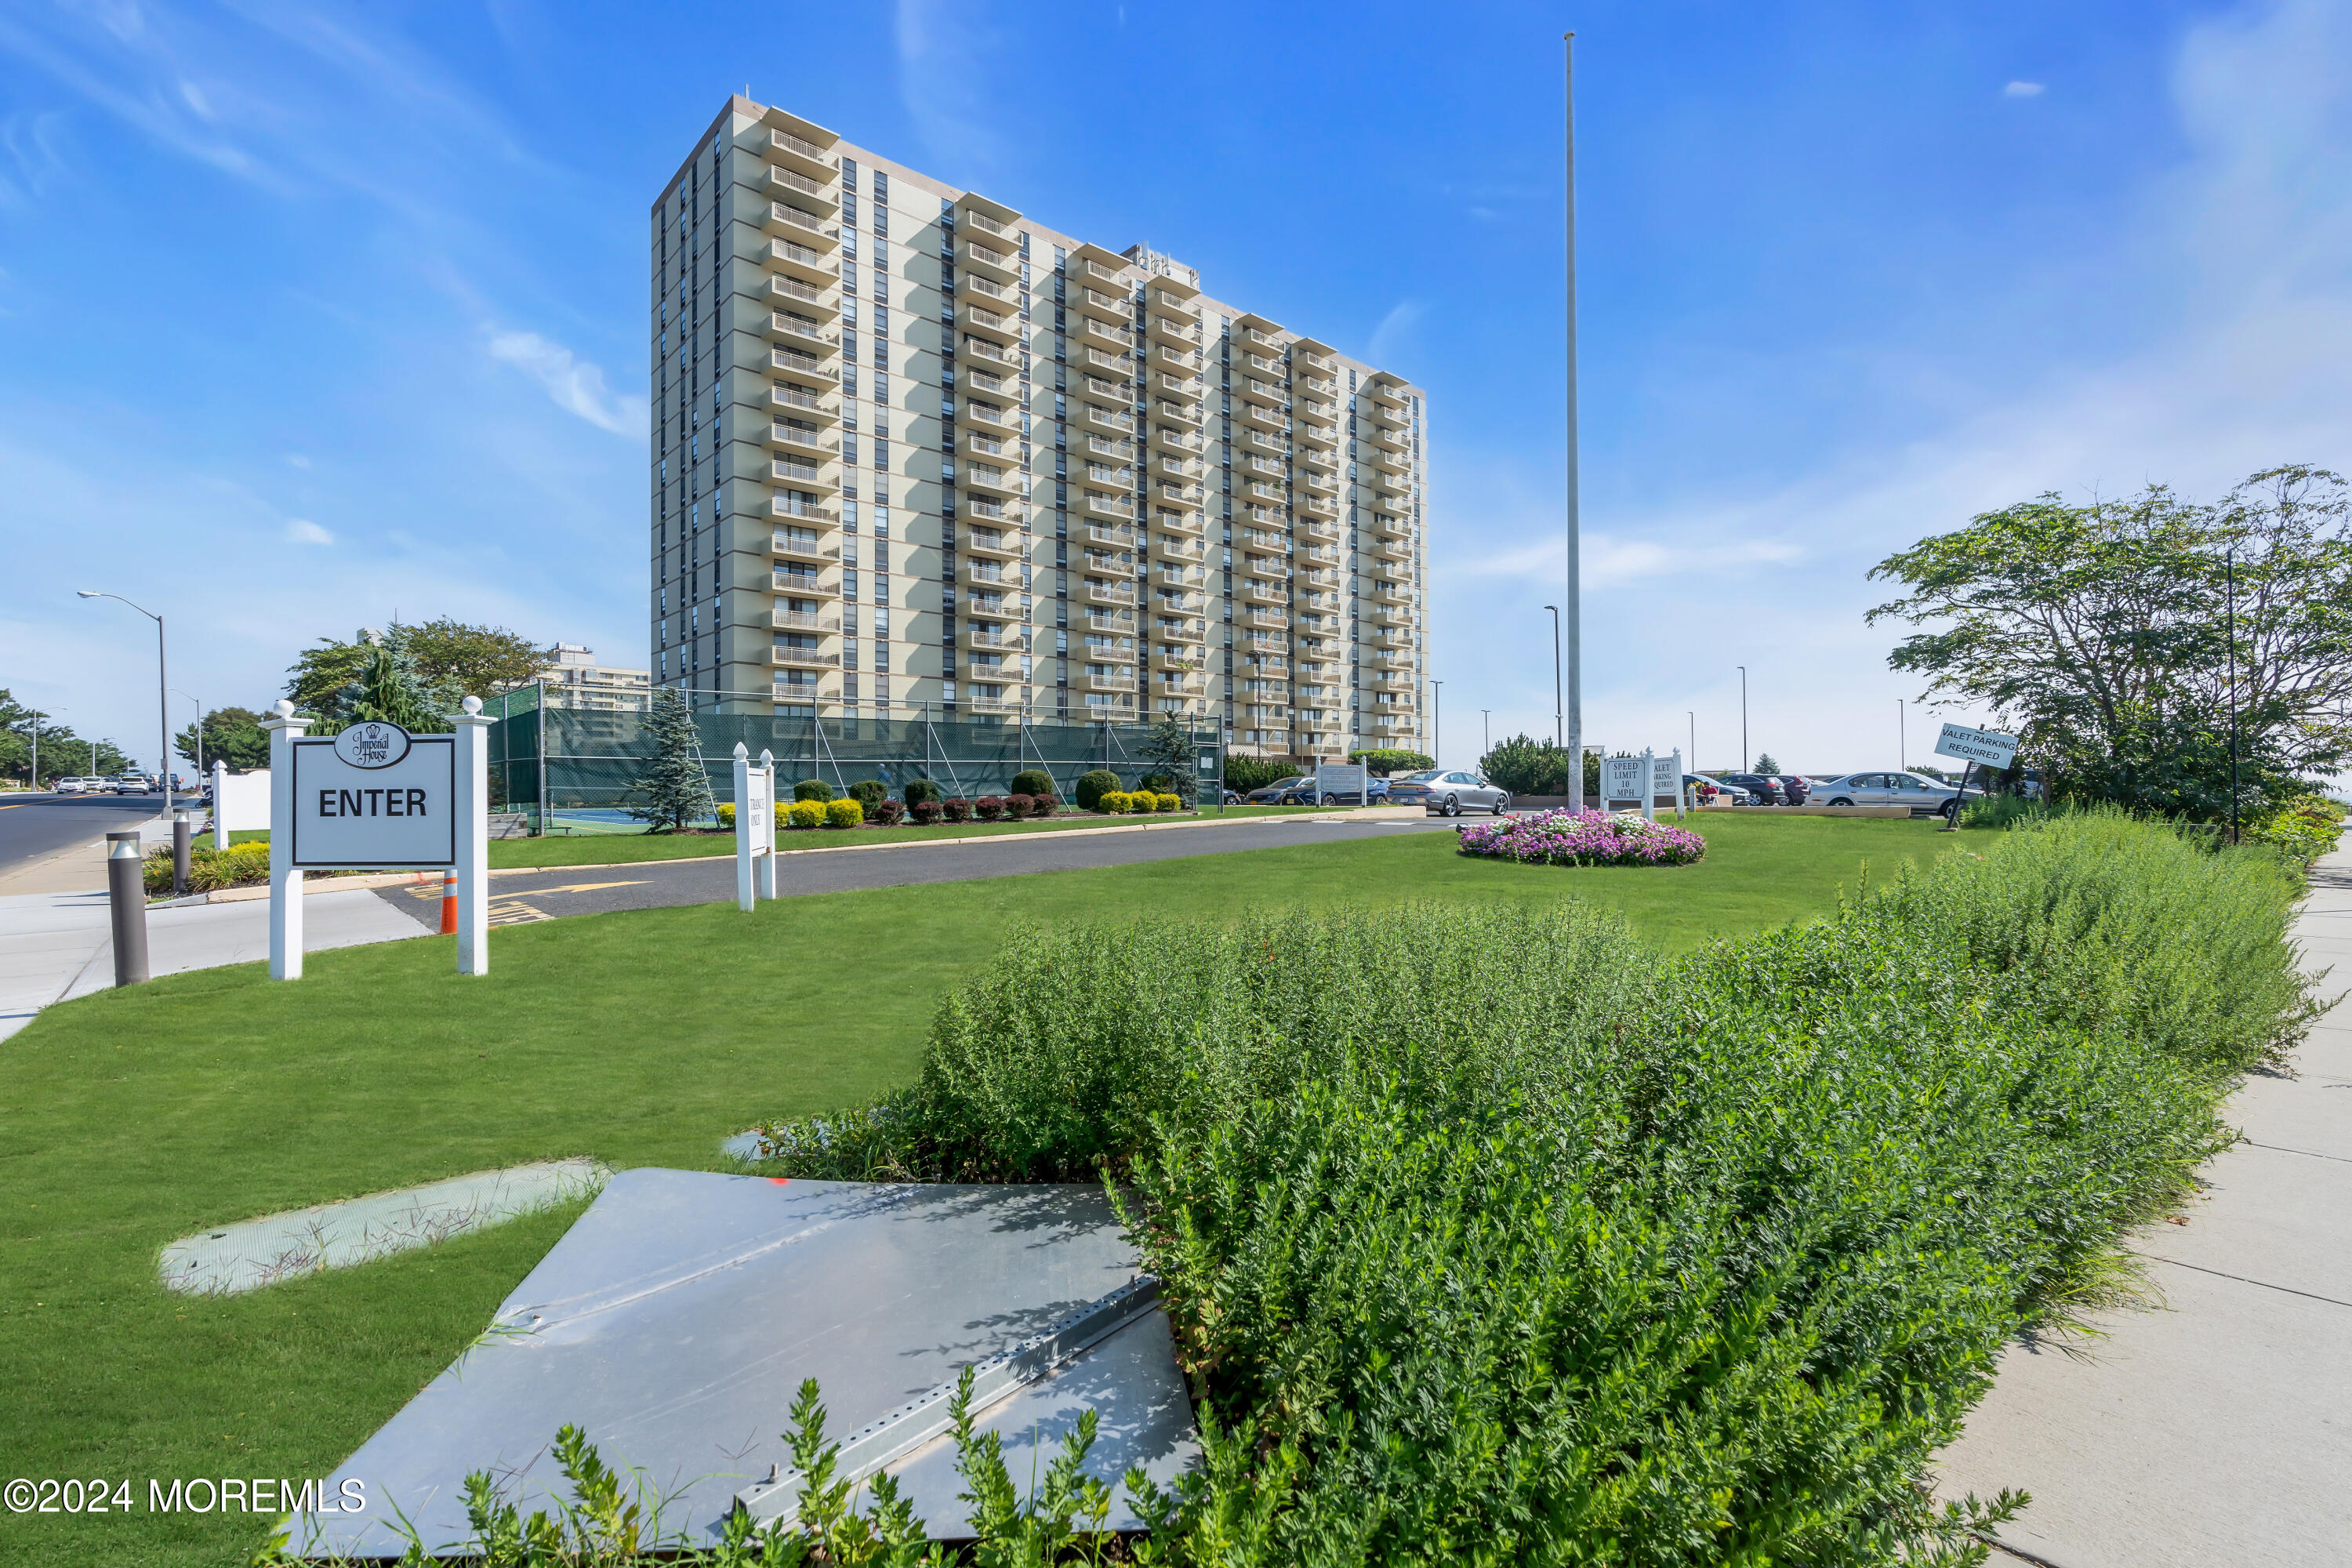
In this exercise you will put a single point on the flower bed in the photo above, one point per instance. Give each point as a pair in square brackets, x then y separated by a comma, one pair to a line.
[1581, 838]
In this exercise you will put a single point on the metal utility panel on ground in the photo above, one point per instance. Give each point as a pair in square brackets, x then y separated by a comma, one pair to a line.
[677, 1319]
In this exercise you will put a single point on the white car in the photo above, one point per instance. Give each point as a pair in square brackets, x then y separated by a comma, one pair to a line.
[129, 784]
[68, 785]
[1914, 790]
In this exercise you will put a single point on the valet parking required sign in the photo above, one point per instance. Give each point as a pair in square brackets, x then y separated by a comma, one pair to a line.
[375, 797]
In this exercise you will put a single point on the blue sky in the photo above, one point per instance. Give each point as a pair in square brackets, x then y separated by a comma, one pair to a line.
[310, 314]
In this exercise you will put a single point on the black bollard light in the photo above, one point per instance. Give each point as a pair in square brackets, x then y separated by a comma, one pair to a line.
[181, 829]
[126, 891]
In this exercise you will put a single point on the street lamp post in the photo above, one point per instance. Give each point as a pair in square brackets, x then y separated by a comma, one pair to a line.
[199, 736]
[162, 694]
[1693, 715]
[1744, 758]
[1902, 740]
[1486, 733]
[1436, 719]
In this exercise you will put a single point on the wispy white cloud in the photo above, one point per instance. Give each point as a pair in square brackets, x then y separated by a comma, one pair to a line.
[2024, 89]
[943, 51]
[1393, 336]
[577, 386]
[35, 162]
[301, 531]
[1610, 561]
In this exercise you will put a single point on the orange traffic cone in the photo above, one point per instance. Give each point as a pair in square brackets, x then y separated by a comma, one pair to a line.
[449, 903]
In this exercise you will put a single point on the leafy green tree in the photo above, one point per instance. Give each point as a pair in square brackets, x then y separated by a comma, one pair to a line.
[1247, 773]
[391, 693]
[2099, 634]
[1170, 746]
[326, 675]
[1387, 761]
[233, 736]
[1525, 765]
[471, 660]
[674, 790]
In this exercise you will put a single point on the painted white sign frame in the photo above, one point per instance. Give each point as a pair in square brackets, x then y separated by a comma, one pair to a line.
[755, 827]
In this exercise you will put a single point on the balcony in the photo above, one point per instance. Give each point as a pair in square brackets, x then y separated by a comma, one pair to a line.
[817, 193]
[791, 362]
[1265, 443]
[1177, 521]
[994, 511]
[1251, 337]
[800, 261]
[1111, 593]
[989, 414]
[1103, 505]
[1182, 303]
[1272, 514]
[1321, 457]
[797, 152]
[808, 444]
[1001, 265]
[1321, 576]
[794, 329]
[1322, 485]
[1105, 446]
[1116, 389]
[988, 476]
[1181, 495]
[1184, 632]
[805, 401]
[1117, 538]
[1190, 551]
[1093, 303]
[1180, 577]
[993, 638]
[1103, 681]
[1172, 438]
[989, 541]
[1088, 267]
[1259, 417]
[1325, 437]
[1260, 617]
[780, 507]
[1392, 614]
[993, 572]
[800, 583]
[1108, 419]
[1317, 384]
[1120, 479]
[1390, 523]
[1115, 363]
[801, 621]
[1087, 329]
[787, 471]
[782, 288]
[1321, 364]
[970, 285]
[1102, 652]
[991, 324]
[804, 658]
[807, 227]
[1179, 660]
[1267, 593]
[993, 353]
[1321, 552]
[990, 605]
[1182, 332]
[1273, 370]
[1190, 413]
[985, 444]
[975, 218]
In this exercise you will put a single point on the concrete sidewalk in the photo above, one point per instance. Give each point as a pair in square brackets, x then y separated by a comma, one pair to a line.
[2216, 1429]
[57, 946]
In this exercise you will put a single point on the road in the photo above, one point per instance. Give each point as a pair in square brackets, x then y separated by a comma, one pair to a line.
[34, 826]
[519, 897]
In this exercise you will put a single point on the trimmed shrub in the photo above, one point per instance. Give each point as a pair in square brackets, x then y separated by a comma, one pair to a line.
[1167, 803]
[1112, 801]
[1382, 761]
[1044, 804]
[918, 791]
[869, 792]
[1156, 782]
[959, 810]
[886, 813]
[726, 816]
[1091, 787]
[812, 789]
[844, 813]
[1488, 1225]
[988, 808]
[1033, 781]
[1247, 773]
[803, 813]
[1016, 806]
[925, 811]
[210, 869]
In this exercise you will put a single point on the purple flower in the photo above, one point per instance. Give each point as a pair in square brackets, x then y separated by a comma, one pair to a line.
[1581, 838]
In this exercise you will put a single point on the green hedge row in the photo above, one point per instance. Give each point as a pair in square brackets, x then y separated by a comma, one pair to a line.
[1488, 1238]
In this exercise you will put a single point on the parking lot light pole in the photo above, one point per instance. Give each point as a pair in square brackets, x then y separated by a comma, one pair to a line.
[162, 694]
[1486, 733]
[1558, 727]
[200, 736]
[1436, 718]
[1744, 760]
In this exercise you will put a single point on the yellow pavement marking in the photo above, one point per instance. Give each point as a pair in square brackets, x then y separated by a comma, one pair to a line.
[433, 890]
[511, 911]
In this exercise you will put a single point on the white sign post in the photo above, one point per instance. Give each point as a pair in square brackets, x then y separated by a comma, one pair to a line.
[755, 827]
[1991, 747]
[375, 797]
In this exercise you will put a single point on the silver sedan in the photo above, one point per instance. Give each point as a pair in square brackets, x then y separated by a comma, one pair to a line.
[1449, 792]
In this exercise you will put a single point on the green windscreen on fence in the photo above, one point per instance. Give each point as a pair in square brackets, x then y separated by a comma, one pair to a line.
[570, 770]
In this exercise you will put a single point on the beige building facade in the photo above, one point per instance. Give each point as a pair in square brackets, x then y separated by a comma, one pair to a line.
[916, 454]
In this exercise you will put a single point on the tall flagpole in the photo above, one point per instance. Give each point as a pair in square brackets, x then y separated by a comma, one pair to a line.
[1575, 595]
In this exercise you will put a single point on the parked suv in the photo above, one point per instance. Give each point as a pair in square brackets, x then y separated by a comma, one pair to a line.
[1763, 789]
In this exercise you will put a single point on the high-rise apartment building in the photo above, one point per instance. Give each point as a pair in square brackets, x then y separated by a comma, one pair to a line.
[915, 453]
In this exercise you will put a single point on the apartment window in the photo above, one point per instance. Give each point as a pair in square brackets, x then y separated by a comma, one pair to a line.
[849, 174]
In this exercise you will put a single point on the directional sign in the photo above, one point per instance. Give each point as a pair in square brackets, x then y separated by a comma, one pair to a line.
[1989, 747]
[386, 801]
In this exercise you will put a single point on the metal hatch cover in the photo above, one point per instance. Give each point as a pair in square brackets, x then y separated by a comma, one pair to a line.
[675, 1320]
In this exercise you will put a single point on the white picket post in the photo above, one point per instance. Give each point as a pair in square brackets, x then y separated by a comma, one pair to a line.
[767, 827]
[745, 892]
[285, 881]
[473, 836]
[220, 795]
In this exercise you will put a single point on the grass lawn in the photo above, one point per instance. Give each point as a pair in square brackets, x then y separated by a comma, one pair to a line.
[621, 848]
[134, 1116]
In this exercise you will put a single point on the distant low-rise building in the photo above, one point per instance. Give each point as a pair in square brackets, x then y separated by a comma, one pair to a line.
[576, 681]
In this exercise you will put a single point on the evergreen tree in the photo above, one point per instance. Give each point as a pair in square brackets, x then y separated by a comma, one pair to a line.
[674, 790]
[1170, 746]
[1765, 764]
[390, 692]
